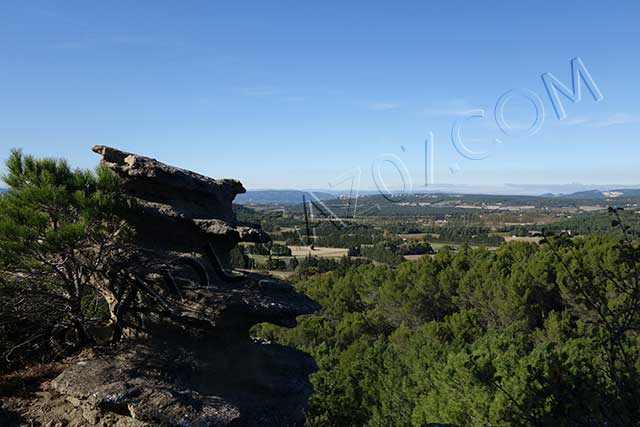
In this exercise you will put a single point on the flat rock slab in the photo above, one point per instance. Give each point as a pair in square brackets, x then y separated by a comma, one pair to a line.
[106, 385]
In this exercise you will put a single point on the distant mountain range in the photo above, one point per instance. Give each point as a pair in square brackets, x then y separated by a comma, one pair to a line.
[600, 194]
[284, 197]
[3, 190]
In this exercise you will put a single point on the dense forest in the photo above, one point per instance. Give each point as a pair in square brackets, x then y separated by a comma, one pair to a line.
[270, 220]
[335, 234]
[596, 222]
[526, 335]
[464, 234]
[582, 224]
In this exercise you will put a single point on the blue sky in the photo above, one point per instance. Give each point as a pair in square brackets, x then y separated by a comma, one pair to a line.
[295, 95]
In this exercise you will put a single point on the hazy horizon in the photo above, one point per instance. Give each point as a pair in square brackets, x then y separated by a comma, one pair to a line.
[506, 189]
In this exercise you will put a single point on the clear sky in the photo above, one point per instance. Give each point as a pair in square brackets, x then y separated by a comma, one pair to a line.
[295, 94]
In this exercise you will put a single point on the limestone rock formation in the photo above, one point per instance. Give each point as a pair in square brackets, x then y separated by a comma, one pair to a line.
[187, 358]
[181, 210]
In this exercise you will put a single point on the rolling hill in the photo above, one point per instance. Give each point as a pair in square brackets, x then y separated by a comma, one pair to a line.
[277, 197]
[599, 194]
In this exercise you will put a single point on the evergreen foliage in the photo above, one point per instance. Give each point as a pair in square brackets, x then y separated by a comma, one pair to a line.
[526, 335]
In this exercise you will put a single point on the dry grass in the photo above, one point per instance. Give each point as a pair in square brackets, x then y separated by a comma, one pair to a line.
[304, 251]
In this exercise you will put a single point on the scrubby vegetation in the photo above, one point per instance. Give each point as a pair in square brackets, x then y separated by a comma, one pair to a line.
[527, 335]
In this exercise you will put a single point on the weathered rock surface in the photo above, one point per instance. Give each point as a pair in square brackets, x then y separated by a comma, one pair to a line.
[187, 358]
[180, 210]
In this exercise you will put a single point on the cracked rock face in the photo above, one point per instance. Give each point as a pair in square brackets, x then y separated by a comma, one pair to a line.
[187, 358]
[180, 210]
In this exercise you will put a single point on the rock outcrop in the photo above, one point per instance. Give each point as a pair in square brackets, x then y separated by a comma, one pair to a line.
[187, 358]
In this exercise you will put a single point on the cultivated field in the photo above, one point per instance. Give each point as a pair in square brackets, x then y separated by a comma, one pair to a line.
[522, 239]
[303, 251]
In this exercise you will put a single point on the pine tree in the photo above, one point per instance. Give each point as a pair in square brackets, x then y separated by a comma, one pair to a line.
[62, 235]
